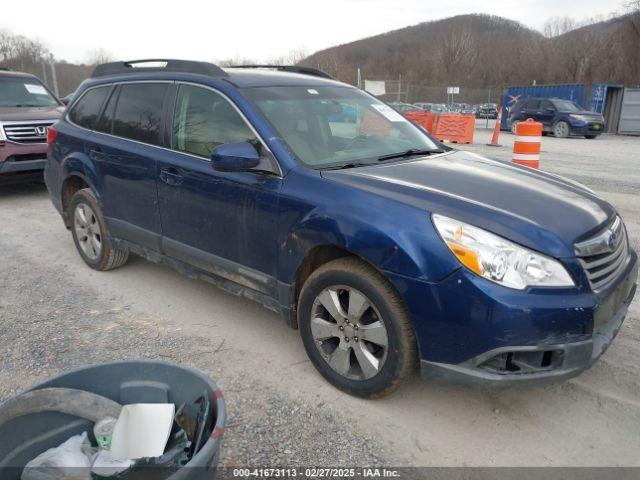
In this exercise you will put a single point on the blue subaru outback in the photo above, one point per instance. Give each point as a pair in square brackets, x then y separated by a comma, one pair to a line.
[386, 249]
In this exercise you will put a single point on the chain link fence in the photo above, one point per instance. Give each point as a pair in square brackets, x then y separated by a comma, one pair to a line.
[399, 91]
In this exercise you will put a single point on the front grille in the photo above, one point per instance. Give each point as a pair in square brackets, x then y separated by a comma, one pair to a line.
[31, 132]
[603, 256]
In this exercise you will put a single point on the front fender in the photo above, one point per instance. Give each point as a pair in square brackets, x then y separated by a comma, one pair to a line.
[392, 236]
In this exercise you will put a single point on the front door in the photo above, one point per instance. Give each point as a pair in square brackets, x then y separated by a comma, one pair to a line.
[222, 222]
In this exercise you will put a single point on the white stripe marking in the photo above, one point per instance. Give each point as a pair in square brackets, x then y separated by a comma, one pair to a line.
[526, 139]
[526, 156]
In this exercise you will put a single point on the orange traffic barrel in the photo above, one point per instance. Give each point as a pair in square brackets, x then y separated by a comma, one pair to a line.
[526, 147]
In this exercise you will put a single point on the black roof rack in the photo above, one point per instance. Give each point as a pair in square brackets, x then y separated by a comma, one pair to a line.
[5, 69]
[290, 68]
[158, 65]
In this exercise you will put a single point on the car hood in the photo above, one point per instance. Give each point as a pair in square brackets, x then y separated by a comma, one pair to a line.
[20, 114]
[536, 209]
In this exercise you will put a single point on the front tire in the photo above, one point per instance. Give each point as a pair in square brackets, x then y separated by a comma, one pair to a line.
[90, 233]
[591, 137]
[561, 129]
[355, 328]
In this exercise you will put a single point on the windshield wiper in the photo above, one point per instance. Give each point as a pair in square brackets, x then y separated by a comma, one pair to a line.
[348, 165]
[412, 152]
[20, 105]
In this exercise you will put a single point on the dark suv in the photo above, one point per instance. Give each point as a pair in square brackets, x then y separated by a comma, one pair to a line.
[385, 248]
[558, 116]
[27, 109]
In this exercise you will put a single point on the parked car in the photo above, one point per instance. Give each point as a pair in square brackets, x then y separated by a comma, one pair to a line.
[468, 110]
[424, 106]
[558, 116]
[384, 247]
[455, 107]
[405, 107]
[438, 108]
[487, 110]
[27, 109]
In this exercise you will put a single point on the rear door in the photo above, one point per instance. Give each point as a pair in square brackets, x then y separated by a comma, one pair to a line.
[531, 109]
[222, 222]
[125, 151]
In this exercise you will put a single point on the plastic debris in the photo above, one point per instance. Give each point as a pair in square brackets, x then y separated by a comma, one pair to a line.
[69, 461]
[104, 465]
[103, 431]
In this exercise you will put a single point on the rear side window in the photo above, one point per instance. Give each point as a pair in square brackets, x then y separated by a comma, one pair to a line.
[86, 110]
[138, 113]
[533, 105]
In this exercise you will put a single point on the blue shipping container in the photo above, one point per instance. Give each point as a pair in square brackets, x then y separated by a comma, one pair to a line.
[593, 98]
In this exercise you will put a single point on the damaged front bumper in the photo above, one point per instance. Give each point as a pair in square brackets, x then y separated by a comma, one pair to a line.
[545, 362]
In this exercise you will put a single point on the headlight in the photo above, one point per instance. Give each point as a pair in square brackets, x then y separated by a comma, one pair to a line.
[499, 260]
[580, 118]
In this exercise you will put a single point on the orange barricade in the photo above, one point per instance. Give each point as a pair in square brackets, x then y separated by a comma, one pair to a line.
[527, 144]
[425, 119]
[455, 128]
[373, 124]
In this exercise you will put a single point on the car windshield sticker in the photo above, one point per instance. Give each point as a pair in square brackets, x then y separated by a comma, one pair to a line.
[389, 113]
[37, 89]
[312, 91]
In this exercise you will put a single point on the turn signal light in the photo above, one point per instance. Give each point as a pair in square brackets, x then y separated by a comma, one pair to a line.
[51, 135]
[467, 257]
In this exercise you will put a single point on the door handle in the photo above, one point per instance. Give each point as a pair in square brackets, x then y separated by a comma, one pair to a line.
[96, 153]
[171, 176]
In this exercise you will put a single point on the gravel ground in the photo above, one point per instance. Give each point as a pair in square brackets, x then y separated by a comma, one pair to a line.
[55, 314]
[56, 329]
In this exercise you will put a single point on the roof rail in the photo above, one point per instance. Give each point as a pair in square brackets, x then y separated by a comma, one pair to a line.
[290, 68]
[158, 65]
[5, 69]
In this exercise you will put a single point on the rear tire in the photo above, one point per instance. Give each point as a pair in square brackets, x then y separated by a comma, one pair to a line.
[364, 343]
[90, 233]
[514, 124]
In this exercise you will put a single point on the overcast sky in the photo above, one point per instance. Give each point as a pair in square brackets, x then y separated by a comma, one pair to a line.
[257, 29]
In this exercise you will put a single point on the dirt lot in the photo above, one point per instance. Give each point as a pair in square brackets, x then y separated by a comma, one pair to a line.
[55, 314]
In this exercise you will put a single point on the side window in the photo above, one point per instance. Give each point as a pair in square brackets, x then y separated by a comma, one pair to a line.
[204, 119]
[85, 112]
[138, 112]
[546, 104]
[105, 124]
[533, 105]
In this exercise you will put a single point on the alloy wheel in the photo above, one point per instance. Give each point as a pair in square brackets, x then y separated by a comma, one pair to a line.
[349, 332]
[561, 130]
[87, 229]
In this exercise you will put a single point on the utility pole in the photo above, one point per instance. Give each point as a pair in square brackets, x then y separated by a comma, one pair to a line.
[399, 86]
[44, 73]
[359, 79]
[54, 76]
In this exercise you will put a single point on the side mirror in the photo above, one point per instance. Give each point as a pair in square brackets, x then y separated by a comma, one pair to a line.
[550, 110]
[234, 157]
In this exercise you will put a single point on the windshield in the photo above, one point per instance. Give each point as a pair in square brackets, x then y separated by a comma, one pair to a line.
[566, 106]
[24, 92]
[330, 126]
